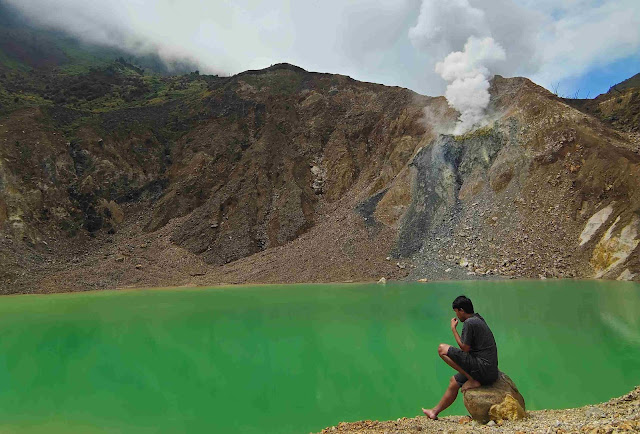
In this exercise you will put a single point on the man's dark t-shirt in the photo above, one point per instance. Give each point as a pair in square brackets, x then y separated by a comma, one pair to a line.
[477, 334]
[481, 362]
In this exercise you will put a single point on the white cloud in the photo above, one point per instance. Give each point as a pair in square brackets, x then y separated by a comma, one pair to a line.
[587, 37]
[446, 26]
[373, 40]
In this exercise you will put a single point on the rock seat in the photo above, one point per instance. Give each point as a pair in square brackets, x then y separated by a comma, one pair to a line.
[498, 401]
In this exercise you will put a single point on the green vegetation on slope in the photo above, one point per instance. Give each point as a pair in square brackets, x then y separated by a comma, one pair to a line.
[26, 47]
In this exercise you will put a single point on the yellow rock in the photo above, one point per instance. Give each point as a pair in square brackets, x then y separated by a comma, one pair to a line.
[509, 409]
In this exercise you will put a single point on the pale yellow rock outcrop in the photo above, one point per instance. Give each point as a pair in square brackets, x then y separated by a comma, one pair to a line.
[594, 224]
[613, 250]
[508, 409]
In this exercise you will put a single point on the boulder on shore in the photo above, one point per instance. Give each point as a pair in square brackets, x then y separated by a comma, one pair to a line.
[498, 401]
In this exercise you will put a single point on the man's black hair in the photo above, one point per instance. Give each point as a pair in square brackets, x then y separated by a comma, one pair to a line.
[462, 302]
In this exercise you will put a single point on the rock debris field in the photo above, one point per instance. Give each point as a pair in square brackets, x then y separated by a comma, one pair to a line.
[618, 415]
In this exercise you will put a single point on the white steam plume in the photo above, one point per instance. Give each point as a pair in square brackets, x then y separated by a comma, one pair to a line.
[468, 73]
[471, 38]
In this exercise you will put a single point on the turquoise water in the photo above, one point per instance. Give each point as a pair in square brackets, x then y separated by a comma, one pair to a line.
[298, 358]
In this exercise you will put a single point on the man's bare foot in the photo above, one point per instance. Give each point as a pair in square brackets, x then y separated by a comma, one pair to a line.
[432, 414]
[470, 384]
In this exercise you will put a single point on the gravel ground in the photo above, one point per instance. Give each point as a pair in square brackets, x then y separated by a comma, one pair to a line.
[615, 416]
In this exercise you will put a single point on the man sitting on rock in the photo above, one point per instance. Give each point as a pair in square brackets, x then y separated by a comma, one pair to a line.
[477, 359]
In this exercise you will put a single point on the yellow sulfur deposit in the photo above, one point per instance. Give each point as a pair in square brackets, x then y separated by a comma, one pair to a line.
[509, 409]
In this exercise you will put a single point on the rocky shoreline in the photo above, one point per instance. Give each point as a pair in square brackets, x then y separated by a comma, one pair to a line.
[618, 415]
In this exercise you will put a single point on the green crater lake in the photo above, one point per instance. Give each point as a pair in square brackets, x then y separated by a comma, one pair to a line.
[298, 358]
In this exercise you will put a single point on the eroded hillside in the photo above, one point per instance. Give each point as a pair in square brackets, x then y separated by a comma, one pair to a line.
[545, 191]
[282, 175]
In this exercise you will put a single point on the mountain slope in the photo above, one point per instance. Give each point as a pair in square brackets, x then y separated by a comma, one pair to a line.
[113, 177]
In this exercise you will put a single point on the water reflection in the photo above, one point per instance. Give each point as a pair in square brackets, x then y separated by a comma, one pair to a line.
[620, 311]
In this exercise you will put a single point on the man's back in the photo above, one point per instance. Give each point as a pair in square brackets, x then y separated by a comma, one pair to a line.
[477, 334]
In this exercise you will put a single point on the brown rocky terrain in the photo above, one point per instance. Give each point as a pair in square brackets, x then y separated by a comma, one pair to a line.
[618, 415]
[619, 107]
[282, 175]
[268, 156]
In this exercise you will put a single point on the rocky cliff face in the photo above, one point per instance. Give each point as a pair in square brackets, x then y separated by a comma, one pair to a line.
[282, 175]
[519, 198]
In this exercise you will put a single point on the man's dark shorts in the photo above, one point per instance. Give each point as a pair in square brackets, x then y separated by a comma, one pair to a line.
[477, 368]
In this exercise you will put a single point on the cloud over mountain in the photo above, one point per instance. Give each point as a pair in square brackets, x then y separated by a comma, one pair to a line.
[394, 42]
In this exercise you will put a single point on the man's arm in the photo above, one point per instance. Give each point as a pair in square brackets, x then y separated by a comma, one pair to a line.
[463, 347]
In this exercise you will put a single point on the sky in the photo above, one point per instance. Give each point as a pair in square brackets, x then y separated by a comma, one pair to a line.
[580, 47]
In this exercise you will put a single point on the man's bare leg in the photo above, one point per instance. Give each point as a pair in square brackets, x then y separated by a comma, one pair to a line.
[447, 399]
[443, 349]
[451, 393]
